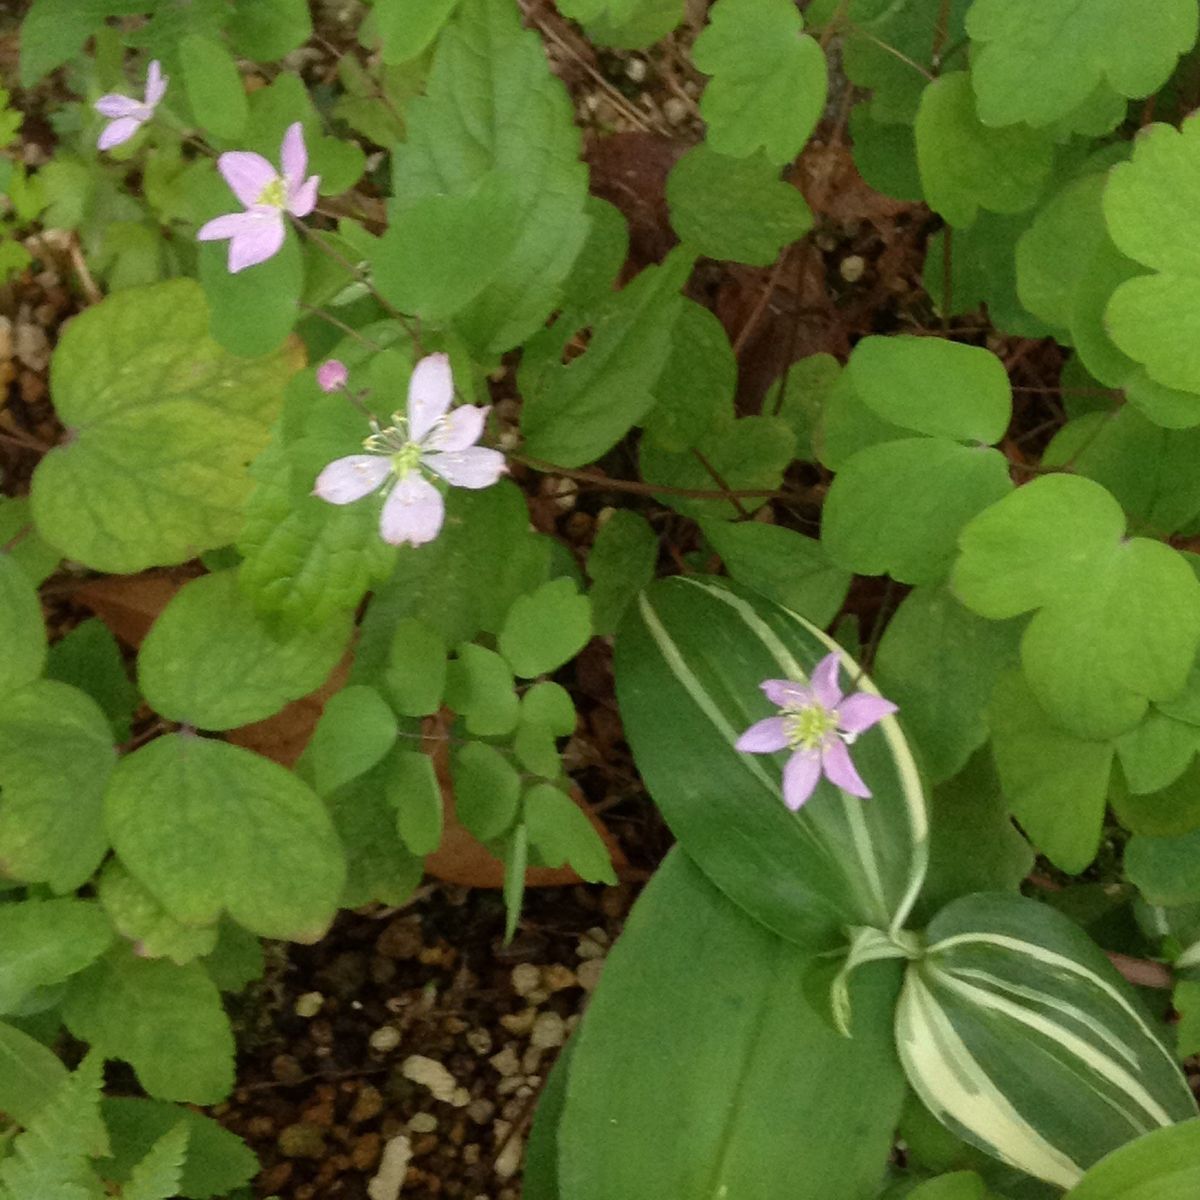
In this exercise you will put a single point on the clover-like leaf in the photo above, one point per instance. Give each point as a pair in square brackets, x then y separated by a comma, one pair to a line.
[965, 165]
[1119, 618]
[22, 629]
[769, 79]
[45, 941]
[1038, 60]
[164, 424]
[546, 628]
[209, 827]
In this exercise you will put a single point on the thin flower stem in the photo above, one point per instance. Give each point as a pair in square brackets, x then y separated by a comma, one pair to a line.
[337, 323]
[716, 478]
[912, 62]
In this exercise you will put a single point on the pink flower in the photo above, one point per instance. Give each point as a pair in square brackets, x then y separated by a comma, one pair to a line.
[428, 442]
[332, 375]
[257, 234]
[127, 115]
[817, 723]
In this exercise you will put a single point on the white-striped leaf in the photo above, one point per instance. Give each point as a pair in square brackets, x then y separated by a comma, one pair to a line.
[690, 656]
[1020, 1037]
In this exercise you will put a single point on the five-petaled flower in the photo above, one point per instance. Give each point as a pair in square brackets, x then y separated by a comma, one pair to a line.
[127, 115]
[430, 441]
[257, 234]
[817, 723]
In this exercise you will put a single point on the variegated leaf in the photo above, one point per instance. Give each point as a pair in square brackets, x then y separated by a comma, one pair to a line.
[690, 657]
[1020, 1037]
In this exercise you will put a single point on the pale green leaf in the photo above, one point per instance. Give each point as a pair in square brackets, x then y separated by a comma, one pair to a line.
[560, 832]
[357, 728]
[142, 920]
[29, 1074]
[43, 942]
[413, 789]
[90, 659]
[621, 562]
[162, 432]
[407, 27]
[1164, 1164]
[22, 629]
[159, 1174]
[214, 86]
[487, 788]
[546, 628]
[209, 827]
[265, 30]
[479, 687]
[415, 676]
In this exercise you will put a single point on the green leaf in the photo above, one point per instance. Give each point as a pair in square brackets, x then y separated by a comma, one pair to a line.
[158, 1175]
[933, 386]
[1056, 784]
[943, 709]
[734, 208]
[1144, 199]
[621, 562]
[769, 80]
[885, 154]
[165, 1021]
[694, 390]
[1185, 999]
[640, 26]
[974, 845]
[22, 629]
[487, 789]
[415, 676]
[689, 661]
[29, 1075]
[1036, 62]
[141, 919]
[578, 410]
[1119, 619]
[516, 861]
[237, 959]
[209, 827]
[217, 1161]
[266, 30]
[492, 104]
[1165, 869]
[750, 454]
[28, 550]
[90, 659]
[549, 705]
[546, 628]
[899, 508]
[1161, 1165]
[958, 1185]
[785, 566]
[214, 86]
[561, 833]
[479, 687]
[155, 469]
[210, 661]
[407, 27]
[43, 942]
[965, 165]
[536, 749]
[1169, 805]
[539, 1172]
[378, 865]
[51, 34]
[594, 272]
[414, 791]
[716, 1002]
[1018, 1034]
[440, 252]
[56, 753]
[51, 1157]
[800, 395]
[846, 425]
[357, 728]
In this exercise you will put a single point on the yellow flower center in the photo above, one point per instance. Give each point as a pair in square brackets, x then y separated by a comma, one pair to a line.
[808, 728]
[273, 194]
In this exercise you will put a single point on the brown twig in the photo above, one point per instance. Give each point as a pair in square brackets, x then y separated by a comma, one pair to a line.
[715, 475]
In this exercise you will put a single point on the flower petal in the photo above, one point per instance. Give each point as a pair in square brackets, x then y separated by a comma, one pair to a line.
[412, 513]
[474, 467]
[259, 239]
[118, 131]
[430, 391]
[800, 776]
[859, 712]
[824, 680]
[460, 428]
[115, 105]
[348, 479]
[303, 199]
[156, 84]
[785, 693]
[227, 226]
[763, 737]
[248, 174]
[332, 375]
[293, 155]
[839, 769]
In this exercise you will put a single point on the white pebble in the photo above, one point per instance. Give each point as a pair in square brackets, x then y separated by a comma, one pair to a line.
[525, 978]
[589, 973]
[386, 1038]
[852, 268]
[635, 69]
[423, 1122]
[548, 1031]
[393, 1167]
[308, 1005]
[509, 1159]
[506, 1062]
[431, 1075]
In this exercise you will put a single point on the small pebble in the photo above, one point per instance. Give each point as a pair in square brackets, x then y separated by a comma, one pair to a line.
[430, 1074]
[385, 1039]
[526, 978]
[635, 69]
[557, 978]
[675, 109]
[519, 1023]
[481, 1111]
[548, 1031]
[368, 1104]
[460, 1097]
[365, 1151]
[852, 268]
[506, 1062]
[287, 1069]
[531, 1059]
[401, 939]
[302, 1140]
[480, 1040]
[386, 1184]
[423, 1122]
[509, 1084]
[309, 1004]
[508, 1161]
[588, 947]
[589, 973]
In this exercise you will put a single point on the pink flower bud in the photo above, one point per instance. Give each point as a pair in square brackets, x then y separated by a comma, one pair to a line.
[332, 375]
